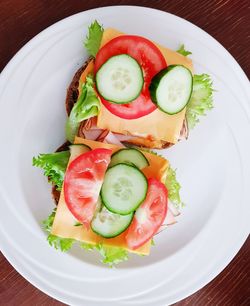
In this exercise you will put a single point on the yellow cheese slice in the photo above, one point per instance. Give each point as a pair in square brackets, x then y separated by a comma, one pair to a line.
[155, 126]
[63, 225]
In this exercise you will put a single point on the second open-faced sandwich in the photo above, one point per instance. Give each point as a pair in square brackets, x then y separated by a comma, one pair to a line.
[132, 90]
[111, 199]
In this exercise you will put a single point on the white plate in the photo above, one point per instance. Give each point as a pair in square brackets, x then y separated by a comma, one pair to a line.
[213, 167]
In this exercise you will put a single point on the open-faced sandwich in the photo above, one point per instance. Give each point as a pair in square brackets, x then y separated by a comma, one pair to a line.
[113, 193]
[112, 199]
[135, 91]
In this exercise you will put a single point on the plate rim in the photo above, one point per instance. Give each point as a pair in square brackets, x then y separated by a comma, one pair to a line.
[36, 38]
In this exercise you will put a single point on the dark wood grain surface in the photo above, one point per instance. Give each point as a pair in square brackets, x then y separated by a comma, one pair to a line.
[226, 20]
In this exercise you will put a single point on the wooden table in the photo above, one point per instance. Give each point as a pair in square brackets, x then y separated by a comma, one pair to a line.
[227, 21]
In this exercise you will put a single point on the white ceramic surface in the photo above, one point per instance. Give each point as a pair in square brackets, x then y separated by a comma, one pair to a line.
[213, 167]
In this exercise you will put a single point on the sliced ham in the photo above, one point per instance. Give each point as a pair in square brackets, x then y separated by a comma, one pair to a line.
[92, 134]
[123, 138]
[102, 136]
[91, 123]
[184, 130]
[89, 130]
[170, 220]
[113, 139]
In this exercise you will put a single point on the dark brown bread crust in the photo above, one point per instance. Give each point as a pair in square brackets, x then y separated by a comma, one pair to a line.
[72, 92]
[55, 194]
[63, 147]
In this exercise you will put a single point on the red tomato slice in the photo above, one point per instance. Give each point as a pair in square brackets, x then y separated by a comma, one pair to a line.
[83, 181]
[150, 59]
[149, 216]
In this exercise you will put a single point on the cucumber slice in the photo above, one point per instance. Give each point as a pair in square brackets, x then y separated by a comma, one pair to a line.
[78, 149]
[129, 156]
[124, 189]
[171, 88]
[120, 79]
[108, 224]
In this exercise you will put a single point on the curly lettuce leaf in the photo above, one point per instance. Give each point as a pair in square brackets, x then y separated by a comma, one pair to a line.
[171, 182]
[173, 187]
[87, 106]
[62, 244]
[94, 38]
[182, 51]
[47, 223]
[110, 255]
[201, 99]
[54, 166]
[87, 246]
